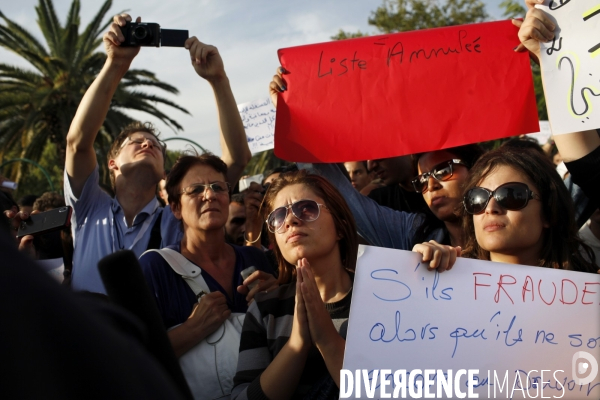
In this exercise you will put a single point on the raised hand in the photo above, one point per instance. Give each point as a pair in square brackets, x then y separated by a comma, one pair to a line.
[277, 85]
[537, 27]
[206, 60]
[114, 37]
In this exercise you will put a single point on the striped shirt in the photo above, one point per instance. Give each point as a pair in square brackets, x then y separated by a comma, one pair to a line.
[267, 328]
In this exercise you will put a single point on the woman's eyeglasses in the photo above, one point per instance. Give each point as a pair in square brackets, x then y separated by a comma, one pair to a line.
[441, 172]
[198, 189]
[304, 210]
[511, 196]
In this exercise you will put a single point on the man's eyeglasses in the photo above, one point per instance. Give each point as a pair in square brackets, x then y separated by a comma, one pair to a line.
[198, 189]
[304, 210]
[141, 139]
[441, 172]
[510, 196]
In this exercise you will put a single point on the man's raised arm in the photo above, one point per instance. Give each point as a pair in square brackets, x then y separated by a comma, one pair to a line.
[208, 64]
[80, 157]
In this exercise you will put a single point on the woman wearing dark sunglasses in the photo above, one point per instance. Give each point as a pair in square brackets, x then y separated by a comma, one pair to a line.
[198, 283]
[293, 340]
[442, 175]
[520, 212]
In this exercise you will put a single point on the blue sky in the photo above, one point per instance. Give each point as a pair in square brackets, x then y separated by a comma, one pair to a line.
[247, 33]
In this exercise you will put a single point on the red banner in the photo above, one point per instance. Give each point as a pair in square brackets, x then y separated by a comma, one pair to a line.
[404, 93]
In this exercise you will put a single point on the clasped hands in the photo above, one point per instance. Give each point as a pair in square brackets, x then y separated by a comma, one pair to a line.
[312, 323]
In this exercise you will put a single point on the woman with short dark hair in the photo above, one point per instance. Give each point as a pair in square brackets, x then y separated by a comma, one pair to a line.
[198, 283]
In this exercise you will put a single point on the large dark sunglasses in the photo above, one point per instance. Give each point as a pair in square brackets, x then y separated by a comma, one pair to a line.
[305, 210]
[441, 172]
[511, 196]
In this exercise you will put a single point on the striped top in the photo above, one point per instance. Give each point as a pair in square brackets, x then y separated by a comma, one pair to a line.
[267, 328]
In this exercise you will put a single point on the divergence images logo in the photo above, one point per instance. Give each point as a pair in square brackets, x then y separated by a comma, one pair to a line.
[580, 367]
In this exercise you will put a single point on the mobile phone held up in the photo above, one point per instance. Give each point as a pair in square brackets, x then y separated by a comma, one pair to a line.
[246, 273]
[45, 222]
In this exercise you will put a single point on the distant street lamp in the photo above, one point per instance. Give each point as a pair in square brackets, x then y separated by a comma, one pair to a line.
[186, 140]
[30, 162]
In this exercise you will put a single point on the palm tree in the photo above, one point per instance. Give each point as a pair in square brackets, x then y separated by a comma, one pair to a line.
[37, 106]
[263, 162]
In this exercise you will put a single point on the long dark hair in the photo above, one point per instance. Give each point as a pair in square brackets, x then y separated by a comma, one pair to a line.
[561, 245]
[342, 218]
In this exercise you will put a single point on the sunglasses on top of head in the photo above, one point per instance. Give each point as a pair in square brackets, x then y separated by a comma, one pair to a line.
[305, 210]
[441, 172]
[511, 196]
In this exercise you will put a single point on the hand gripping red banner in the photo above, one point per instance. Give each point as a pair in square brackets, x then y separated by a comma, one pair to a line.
[404, 93]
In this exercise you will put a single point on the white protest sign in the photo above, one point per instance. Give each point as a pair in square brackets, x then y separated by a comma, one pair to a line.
[259, 122]
[571, 66]
[543, 135]
[517, 326]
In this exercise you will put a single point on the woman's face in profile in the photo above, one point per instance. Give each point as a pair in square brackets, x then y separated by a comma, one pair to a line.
[510, 232]
[301, 239]
[443, 197]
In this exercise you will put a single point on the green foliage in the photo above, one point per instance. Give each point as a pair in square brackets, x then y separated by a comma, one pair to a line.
[263, 162]
[512, 9]
[409, 15]
[172, 156]
[539, 92]
[33, 181]
[37, 106]
[341, 35]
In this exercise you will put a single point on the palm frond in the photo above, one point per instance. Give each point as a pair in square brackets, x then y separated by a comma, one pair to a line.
[145, 97]
[88, 40]
[134, 74]
[16, 44]
[22, 36]
[49, 25]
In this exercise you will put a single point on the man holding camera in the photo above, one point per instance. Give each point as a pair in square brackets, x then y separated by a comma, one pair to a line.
[133, 219]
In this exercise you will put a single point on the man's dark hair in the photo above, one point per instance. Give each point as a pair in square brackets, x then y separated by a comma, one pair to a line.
[524, 143]
[237, 198]
[27, 200]
[49, 201]
[469, 154]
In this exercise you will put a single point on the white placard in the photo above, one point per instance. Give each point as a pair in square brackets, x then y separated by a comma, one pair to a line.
[543, 135]
[571, 66]
[259, 122]
[493, 317]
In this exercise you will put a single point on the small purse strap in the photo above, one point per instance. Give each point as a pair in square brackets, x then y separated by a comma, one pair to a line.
[179, 263]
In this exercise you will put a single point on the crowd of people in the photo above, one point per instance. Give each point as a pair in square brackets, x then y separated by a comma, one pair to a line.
[254, 288]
